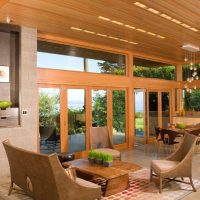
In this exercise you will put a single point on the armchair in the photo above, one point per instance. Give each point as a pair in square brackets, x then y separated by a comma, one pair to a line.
[100, 141]
[178, 164]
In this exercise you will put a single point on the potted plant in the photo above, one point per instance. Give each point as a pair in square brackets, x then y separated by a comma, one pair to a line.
[107, 160]
[99, 158]
[91, 156]
[49, 115]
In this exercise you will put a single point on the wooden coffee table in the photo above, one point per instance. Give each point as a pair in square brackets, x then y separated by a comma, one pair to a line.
[116, 176]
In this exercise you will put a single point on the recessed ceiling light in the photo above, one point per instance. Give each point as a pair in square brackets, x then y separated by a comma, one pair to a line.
[128, 26]
[76, 29]
[194, 29]
[133, 42]
[123, 40]
[164, 16]
[176, 21]
[102, 35]
[185, 25]
[140, 5]
[114, 38]
[150, 33]
[160, 36]
[116, 22]
[90, 32]
[141, 30]
[104, 18]
[153, 11]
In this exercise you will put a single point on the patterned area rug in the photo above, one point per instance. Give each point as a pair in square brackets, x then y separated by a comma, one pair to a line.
[140, 189]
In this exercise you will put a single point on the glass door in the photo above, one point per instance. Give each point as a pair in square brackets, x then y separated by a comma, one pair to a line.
[153, 112]
[119, 116]
[140, 115]
[165, 101]
[76, 120]
[49, 120]
[99, 107]
[158, 110]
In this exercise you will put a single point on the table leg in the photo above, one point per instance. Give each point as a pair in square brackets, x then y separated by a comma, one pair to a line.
[117, 184]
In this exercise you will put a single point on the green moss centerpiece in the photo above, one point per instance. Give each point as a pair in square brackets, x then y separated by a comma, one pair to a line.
[5, 104]
[91, 156]
[107, 160]
[99, 158]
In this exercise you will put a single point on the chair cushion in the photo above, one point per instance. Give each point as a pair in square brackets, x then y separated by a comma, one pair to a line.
[71, 172]
[86, 183]
[163, 165]
[113, 152]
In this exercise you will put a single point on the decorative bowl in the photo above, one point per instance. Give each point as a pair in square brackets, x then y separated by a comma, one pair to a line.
[180, 125]
[5, 104]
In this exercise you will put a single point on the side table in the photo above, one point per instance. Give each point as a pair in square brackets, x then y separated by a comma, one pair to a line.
[64, 157]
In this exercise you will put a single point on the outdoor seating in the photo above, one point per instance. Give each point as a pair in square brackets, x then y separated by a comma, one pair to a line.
[43, 177]
[178, 164]
[100, 141]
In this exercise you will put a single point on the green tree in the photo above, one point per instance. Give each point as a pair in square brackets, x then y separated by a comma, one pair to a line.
[99, 111]
[193, 100]
[48, 109]
[167, 72]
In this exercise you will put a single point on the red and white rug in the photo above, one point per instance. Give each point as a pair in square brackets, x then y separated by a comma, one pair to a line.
[140, 189]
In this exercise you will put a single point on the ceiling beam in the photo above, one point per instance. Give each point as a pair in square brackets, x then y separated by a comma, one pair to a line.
[3, 2]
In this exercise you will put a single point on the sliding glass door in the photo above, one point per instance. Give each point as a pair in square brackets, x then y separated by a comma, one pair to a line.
[49, 120]
[99, 108]
[158, 110]
[119, 116]
[140, 115]
[76, 119]
[153, 112]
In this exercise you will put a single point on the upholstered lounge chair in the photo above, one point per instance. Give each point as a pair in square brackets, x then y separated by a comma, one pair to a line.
[178, 164]
[43, 177]
[100, 141]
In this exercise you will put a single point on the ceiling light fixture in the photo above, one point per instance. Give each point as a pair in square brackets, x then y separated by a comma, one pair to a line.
[102, 35]
[190, 65]
[129, 26]
[145, 7]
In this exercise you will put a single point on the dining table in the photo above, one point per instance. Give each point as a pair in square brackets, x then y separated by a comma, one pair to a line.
[172, 133]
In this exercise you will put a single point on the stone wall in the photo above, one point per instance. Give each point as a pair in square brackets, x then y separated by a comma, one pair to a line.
[25, 135]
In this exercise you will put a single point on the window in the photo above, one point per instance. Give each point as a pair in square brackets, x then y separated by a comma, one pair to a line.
[191, 100]
[150, 69]
[64, 57]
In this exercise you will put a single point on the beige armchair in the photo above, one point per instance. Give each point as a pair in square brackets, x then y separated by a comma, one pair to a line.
[178, 164]
[100, 141]
[43, 177]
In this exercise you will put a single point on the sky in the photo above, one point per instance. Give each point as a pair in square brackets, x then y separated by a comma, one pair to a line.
[76, 96]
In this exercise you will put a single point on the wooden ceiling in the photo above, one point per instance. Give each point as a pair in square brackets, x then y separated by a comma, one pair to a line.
[56, 17]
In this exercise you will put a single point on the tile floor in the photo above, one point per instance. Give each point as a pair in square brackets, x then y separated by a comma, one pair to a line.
[143, 154]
